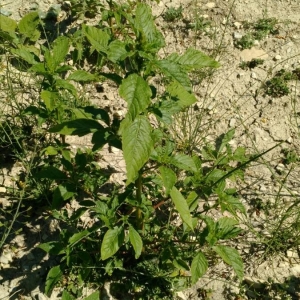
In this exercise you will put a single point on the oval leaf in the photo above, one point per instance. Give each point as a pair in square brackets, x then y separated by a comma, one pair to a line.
[112, 241]
[232, 258]
[137, 146]
[81, 75]
[198, 267]
[168, 178]
[182, 206]
[137, 93]
[53, 277]
[136, 241]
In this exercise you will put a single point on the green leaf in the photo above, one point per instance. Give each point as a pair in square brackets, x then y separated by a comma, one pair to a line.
[137, 146]
[165, 109]
[49, 99]
[50, 150]
[168, 177]
[117, 51]
[53, 248]
[28, 24]
[75, 238]
[82, 76]
[185, 98]
[144, 22]
[25, 54]
[67, 296]
[232, 257]
[226, 228]
[92, 112]
[135, 90]
[7, 24]
[93, 296]
[227, 137]
[174, 71]
[51, 172]
[192, 200]
[62, 193]
[214, 176]
[184, 162]
[181, 206]
[112, 241]
[231, 204]
[195, 59]
[136, 241]
[199, 267]
[60, 50]
[64, 84]
[78, 127]
[97, 37]
[53, 277]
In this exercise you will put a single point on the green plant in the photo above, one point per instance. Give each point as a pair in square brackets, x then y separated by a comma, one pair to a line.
[251, 64]
[277, 86]
[136, 229]
[172, 14]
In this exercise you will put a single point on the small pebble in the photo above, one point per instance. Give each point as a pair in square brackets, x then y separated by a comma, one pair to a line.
[210, 5]
[237, 25]
[237, 35]
[253, 75]
[277, 57]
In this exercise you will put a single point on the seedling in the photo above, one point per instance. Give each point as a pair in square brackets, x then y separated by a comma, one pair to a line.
[173, 14]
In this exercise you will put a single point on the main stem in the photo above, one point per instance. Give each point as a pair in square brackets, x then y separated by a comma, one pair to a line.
[138, 213]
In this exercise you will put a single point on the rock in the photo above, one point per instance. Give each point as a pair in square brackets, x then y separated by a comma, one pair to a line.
[6, 258]
[2, 189]
[256, 43]
[237, 25]
[5, 12]
[253, 75]
[232, 122]
[277, 57]
[295, 270]
[237, 35]
[253, 53]
[181, 295]
[210, 5]
[292, 254]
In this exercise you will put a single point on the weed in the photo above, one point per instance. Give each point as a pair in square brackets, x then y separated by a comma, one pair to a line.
[172, 14]
[251, 64]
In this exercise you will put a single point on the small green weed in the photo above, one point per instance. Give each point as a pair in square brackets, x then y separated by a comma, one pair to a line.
[257, 31]
[278, 85]
[173, 14]
[251, 64]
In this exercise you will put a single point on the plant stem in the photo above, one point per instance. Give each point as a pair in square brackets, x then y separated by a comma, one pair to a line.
[138, 213]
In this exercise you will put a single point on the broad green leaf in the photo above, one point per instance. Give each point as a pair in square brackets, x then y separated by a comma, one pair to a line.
[184, 97]
[39, 68]
[112, 241]
[82, 76]
[93, 112]
[64, 84]
[199, 267]
[165, 110]
[231, 204]
[67, 296]
[214, 176]
[53, 248]
[181, 206]
[97, 37]
[50, 150]
[75, 238]
[51, 172]
[49, 99]
[192, 200]
[227, 137]
[226, 228]
[7, 24]
[184, 162]
[174, 71]
[232, 257]
[25, 54]
[135, 90]
[78, 127]
[93, 296]
[53, 277]
[117, 51]
[136, 241]
[28, 24]
[137, 146]
[144, 22]
[60, 50]
[195, 59]
[62, 193]
[168, 177]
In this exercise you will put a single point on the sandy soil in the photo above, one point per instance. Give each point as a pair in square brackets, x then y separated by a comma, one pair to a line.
[234, 99]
